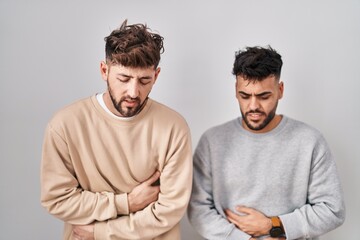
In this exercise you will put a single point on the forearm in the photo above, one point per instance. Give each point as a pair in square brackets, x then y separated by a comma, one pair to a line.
[310, 221]
[62, 194]
[210, 224]
[325, 209]
[145, 224]
[165, 213]
[63, 198]
[84, 207]
[154, 220]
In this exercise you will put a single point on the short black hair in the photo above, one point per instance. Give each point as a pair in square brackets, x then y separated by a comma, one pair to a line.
[257, 63]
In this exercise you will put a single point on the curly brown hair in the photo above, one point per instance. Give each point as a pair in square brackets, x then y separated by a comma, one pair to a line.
[134, 46]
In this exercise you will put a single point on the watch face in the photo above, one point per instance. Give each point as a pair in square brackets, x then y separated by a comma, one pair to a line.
[276, 232]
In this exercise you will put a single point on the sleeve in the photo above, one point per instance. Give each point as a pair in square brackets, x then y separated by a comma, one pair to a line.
[325, 208]
[162, 215]
[202, 212]
[61, 193]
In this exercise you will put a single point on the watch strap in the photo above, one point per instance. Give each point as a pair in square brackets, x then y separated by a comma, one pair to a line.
[276, 221]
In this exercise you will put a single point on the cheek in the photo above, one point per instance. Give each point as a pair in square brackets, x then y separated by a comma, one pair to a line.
[145, 90]
[117, 88]
[269, 105]
[242, 105]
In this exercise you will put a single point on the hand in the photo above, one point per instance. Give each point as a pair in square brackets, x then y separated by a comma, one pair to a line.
[144, 194]
[83, 232]
[251, 221]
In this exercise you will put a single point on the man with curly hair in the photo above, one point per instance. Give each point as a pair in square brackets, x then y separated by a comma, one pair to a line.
[118, 165]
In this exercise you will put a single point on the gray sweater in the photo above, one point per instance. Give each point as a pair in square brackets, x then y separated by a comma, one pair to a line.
[287, 172]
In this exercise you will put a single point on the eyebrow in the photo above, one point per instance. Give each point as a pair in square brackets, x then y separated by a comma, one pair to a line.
[257, 95]
[129, 76]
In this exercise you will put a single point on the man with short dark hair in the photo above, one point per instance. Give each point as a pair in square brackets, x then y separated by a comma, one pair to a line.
[118, 165]
[264, 175]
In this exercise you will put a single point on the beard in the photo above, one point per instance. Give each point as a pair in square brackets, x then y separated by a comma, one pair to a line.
[270, 116]
[126, 111]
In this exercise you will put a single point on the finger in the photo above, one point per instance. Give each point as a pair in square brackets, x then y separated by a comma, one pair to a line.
[76, 235]
[78, 229]
[156, 189]
[231, 214]
[231, 220]
[237, 215]
[153, 178]
[156, 183]
[75, 230]
[243, 209]
[154, 194]
[236, 219]
[226, 211]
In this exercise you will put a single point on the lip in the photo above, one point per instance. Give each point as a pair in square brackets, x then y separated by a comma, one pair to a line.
[130, 103]
[254, 116]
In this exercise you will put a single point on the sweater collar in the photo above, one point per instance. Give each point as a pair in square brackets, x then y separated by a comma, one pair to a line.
[273, 132]
[118, 120]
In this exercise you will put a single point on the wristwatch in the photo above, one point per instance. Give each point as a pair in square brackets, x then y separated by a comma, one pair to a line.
[277, 229]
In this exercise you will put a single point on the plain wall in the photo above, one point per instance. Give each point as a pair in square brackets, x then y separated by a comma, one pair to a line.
[50, 53]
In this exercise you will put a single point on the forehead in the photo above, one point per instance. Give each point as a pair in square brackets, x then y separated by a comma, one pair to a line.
[248, 85]
[131, 71]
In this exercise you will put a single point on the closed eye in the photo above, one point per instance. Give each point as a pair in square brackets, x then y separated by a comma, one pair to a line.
[122, 79]
[244, 95]
[264, 97]
[145, 81]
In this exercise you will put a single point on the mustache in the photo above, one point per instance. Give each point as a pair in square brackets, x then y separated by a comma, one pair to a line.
[254, 111]
[130, 99]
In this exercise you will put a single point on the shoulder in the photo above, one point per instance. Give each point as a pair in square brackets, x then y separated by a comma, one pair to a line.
[226, 127]
[162, 109]
[72, 112]
[305, 132]
[302, 128]
[166, 115]
[221, 131]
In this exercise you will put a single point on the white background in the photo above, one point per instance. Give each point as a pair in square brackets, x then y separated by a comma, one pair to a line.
[50, 53]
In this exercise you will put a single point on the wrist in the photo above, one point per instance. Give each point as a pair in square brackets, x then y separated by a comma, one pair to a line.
[130, 203]
[277, 229]
[268, 226]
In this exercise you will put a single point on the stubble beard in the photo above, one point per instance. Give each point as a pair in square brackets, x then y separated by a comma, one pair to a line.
[126, 111]
[262, 125]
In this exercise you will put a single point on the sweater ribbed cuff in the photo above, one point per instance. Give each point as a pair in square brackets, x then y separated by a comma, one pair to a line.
[121, 203]
[293, 226]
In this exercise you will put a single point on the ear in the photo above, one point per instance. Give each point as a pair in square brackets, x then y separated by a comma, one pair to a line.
[157, 72]
[281, 89]
[236, 87]
[104, 70]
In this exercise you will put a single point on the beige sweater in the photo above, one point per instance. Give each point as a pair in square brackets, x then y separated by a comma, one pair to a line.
[91, 161]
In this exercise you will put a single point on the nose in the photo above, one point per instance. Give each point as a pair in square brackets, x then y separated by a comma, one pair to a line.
[133, 89]
[254, 103]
